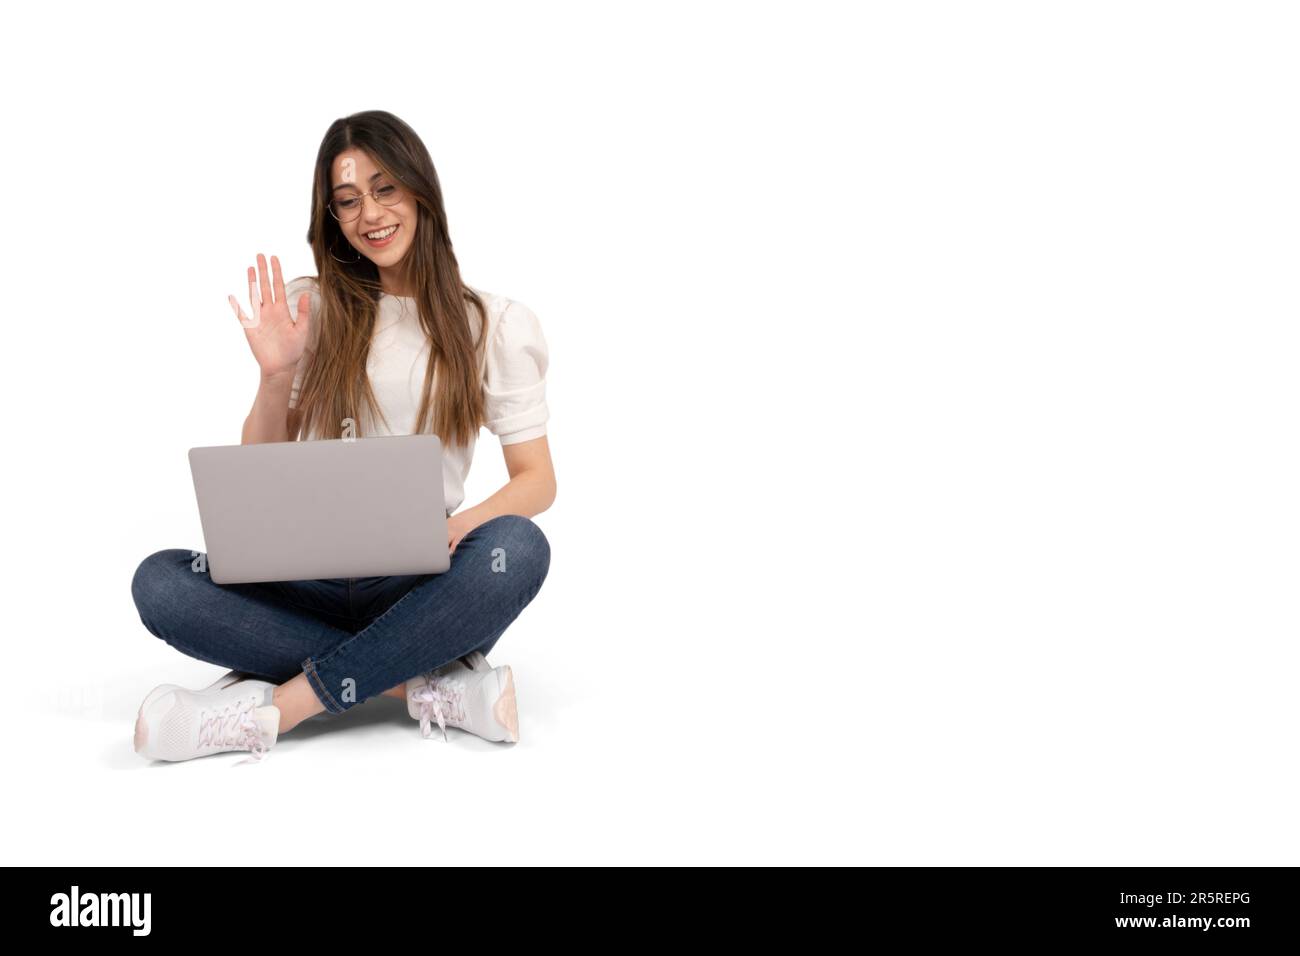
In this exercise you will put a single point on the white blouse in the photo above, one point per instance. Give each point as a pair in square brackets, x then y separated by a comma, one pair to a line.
[513, 374]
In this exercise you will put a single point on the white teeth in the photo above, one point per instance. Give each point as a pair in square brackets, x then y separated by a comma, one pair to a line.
[382, 234]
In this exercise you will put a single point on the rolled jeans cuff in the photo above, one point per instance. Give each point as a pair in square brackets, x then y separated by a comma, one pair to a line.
[328, 700]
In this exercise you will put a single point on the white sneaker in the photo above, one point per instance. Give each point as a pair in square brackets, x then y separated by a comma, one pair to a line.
[141, 728]
[179, 724]
[469, 694]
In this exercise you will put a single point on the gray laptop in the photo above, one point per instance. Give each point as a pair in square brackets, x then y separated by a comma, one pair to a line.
[336, 508]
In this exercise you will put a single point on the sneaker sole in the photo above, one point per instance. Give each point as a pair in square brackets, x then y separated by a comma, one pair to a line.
[506, 710]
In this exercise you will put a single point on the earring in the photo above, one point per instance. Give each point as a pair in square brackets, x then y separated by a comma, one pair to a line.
[337, 259]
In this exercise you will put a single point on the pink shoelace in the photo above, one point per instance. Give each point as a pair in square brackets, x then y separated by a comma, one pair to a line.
[437, 693]
[233, 727]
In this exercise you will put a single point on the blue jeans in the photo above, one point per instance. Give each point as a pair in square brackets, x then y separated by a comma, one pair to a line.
[353, 637]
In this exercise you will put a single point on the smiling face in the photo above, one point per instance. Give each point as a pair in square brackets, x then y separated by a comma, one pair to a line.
[352, 174]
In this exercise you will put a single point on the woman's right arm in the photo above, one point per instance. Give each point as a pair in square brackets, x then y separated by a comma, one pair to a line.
[278, 342]
[269, 419]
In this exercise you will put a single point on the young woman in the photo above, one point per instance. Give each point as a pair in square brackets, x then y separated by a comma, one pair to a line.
[386, 339]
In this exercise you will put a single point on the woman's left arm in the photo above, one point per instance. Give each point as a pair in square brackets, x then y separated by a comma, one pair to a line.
[529, 492]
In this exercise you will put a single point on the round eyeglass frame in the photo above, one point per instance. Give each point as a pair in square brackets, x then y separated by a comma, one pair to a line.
[397, 197]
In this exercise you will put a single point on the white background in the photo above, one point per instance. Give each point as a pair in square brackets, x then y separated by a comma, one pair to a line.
[922, 405]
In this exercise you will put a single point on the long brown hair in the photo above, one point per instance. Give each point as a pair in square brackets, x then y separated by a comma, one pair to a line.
[335, 385]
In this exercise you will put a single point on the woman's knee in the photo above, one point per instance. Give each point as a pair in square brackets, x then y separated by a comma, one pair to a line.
[154, 587]
[517, 541]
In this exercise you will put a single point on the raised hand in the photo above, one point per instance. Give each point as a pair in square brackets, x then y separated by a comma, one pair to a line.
[276, 339]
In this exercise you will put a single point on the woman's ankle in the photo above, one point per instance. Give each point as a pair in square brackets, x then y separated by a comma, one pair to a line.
[296, 701]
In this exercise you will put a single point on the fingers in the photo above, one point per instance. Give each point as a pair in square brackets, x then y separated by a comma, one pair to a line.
[304, 313]
[244, 320]
[278, 287]
[254, 297]
[264, 279]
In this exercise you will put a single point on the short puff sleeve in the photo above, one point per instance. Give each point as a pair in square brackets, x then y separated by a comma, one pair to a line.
[514, 378]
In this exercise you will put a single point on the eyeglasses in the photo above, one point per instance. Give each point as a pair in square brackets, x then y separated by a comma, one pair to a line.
[348, 207]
